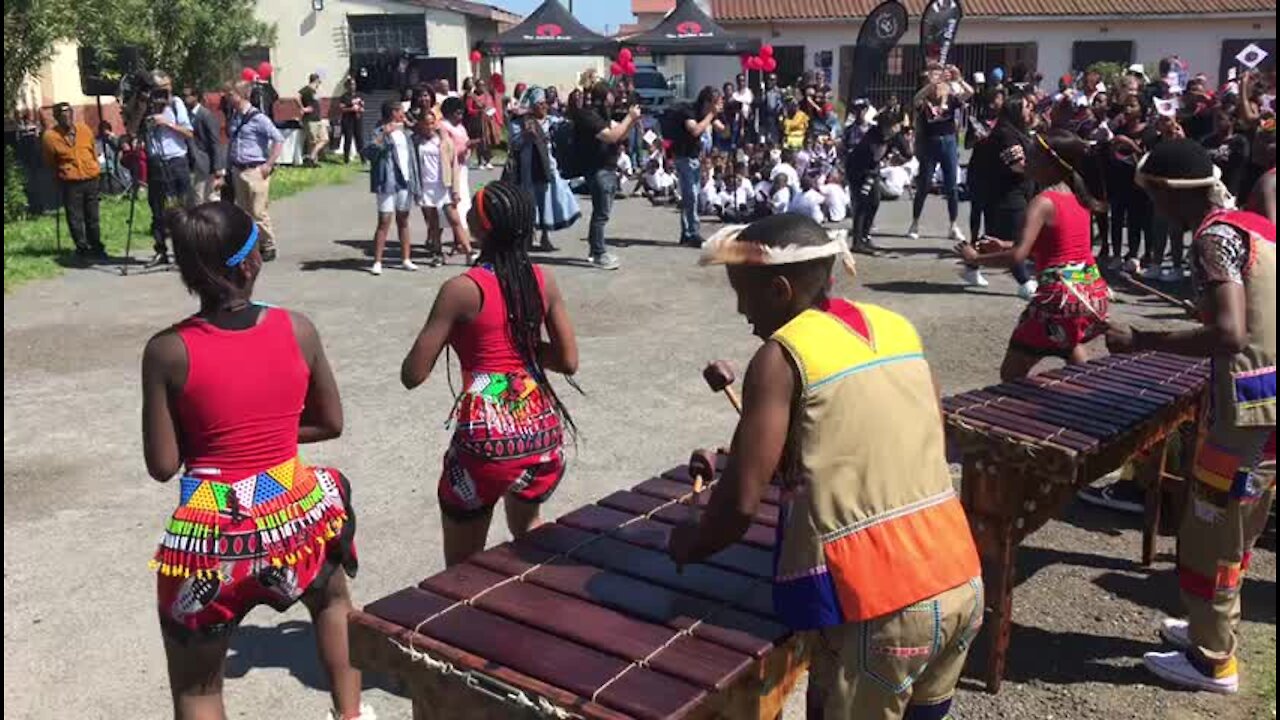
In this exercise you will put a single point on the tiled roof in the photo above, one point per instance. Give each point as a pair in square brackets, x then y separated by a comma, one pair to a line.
[764, 10]
[642, 7]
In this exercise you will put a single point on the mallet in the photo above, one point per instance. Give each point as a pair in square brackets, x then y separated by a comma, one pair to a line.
[1176, 302]
[719, 377]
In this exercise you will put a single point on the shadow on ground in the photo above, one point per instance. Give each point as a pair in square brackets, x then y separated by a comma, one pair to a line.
[292, 646]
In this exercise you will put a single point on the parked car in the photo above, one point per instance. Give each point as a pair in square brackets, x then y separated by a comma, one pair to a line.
[653, 88]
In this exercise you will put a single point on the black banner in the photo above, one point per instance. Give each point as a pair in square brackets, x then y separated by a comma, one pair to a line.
[880, 32]
[938, 28]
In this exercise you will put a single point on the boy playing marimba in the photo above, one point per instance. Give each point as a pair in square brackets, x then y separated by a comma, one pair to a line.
[874, 554]
[1233, 265]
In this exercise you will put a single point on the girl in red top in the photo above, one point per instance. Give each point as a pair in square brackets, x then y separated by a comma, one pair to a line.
[1070, 307]
[227, 396]
[508, 440]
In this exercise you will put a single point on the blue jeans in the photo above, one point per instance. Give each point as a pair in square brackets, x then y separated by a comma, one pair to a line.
[603, 184]
[936, 151]
[687, 174]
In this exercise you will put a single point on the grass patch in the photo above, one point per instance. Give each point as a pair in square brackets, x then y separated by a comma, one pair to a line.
[31, 246]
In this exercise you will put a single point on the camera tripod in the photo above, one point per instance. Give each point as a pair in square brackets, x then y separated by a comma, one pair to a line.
[165, 181]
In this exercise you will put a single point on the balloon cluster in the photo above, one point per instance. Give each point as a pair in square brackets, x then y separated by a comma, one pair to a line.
[625, 64]
[765, 61]
[475, 57]
[263, 72]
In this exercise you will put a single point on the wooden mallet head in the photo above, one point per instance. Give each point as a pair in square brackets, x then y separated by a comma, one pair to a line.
[719, 376]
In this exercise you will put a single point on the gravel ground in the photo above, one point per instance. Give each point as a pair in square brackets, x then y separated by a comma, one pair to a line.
[81, 518]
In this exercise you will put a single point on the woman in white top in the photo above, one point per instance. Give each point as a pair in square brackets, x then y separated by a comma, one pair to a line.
[393, 178]
[440, 184]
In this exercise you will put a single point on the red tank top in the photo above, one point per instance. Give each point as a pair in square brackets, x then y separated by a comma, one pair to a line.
[240, 407]
[1069, 241]
[484, 344]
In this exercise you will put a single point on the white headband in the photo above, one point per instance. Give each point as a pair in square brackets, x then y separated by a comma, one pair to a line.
[724, 248]
[1218, 193]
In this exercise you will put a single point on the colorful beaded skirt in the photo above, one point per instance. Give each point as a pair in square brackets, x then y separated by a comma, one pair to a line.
[272, 518]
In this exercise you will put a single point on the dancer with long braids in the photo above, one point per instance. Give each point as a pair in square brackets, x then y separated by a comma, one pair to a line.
[508, 441]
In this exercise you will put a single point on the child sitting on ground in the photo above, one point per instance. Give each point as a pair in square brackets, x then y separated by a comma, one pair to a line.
[835, 197]
[807, 202]
[659, 183]
[780, 193]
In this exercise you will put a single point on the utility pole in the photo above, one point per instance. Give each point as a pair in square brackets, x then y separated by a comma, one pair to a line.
[570, 7]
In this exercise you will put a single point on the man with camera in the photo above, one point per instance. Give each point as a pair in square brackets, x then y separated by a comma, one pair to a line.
[69, 149]
[208, 156]
[253, 149]
[167, 130]
[599, 139]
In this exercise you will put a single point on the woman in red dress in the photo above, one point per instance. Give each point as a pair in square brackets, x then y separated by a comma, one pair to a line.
[228, 394]
[508, 440]
[1070, 306]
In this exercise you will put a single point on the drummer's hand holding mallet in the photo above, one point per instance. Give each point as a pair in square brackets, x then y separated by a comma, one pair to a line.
[753, 457]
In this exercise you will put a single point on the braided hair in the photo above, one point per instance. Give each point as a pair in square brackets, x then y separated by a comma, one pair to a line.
[506, 212]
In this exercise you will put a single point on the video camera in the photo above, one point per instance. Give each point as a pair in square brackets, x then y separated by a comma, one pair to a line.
[142, 94]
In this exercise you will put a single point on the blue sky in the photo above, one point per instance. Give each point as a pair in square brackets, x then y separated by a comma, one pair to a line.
[595, 14]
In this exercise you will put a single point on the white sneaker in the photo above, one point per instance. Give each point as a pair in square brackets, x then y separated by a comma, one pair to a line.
[1177, 669]
[1171, 274]
[913, 232]
[409, 265]
[1176, 632]
[472, 257]
[1132, 266]
[605, 261]
[956, 233]
[973, 277]
[366, 713]
[376, 268]
[1152, 273]
[1027, 290]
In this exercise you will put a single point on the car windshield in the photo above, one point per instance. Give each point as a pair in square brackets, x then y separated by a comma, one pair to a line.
[650, 81]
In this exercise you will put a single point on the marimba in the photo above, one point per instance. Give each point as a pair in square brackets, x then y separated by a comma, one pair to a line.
[587, 617]
[1029, 445]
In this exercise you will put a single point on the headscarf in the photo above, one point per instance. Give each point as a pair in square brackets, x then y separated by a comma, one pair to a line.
[532, 96]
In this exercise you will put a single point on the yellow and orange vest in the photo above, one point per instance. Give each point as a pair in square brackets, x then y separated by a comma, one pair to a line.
[871, 522]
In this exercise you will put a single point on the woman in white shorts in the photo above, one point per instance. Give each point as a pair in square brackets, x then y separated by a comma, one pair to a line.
[440, 187]
[393, 178]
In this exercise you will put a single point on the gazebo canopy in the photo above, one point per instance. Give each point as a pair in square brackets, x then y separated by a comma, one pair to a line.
[687, 30]
[549, 30]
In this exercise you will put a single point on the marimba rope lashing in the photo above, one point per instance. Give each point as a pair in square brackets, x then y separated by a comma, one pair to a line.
[550, 708]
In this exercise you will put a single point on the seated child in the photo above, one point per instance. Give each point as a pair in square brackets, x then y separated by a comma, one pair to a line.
[808, 201]
[835, 197]
[780, 194]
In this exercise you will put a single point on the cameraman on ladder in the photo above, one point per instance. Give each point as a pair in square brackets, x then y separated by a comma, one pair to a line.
[168, 128]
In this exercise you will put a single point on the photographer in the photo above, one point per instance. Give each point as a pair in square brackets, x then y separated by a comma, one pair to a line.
[600, 139]
[168, 128]
[255, 145]
[696, 122]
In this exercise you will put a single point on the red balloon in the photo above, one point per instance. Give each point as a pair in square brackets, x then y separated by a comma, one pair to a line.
[248, 75]
[770, 64]
[629, 68]
[615, 68]
[265, 70]
[743, 59]
[624, 57]
[766, 51]
[475, 57]
[753, 63]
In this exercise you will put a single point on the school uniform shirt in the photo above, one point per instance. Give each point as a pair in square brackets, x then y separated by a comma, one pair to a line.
[782, 168]
[808, 203]
[780, 202]
[835, 201]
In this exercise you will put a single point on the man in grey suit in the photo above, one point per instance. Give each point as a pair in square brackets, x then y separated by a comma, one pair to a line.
[208, 154]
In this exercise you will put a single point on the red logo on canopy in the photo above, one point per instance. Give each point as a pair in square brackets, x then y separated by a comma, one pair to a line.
[548, 30]
[688, 27]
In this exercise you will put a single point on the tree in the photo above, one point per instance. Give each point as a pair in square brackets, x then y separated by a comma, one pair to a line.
[196, 41]
[30, 29]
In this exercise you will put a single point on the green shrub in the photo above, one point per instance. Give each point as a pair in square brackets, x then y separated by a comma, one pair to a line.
[15, 188]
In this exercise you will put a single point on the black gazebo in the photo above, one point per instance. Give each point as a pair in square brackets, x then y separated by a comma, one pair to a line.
[687, 30]
[548, 30]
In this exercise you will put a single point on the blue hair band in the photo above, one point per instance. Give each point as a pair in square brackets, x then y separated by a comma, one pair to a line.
[245, 249]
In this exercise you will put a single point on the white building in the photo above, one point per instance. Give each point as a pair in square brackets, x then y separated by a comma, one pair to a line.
[1050, 36]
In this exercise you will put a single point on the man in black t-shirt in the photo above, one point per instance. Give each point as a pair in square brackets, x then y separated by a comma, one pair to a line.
[693, 121]
[598, 140]
[315, 130]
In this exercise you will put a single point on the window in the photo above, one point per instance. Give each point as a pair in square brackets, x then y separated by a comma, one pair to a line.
[790, 64]
[894, 61]
[1088, 52]
[388, 34]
